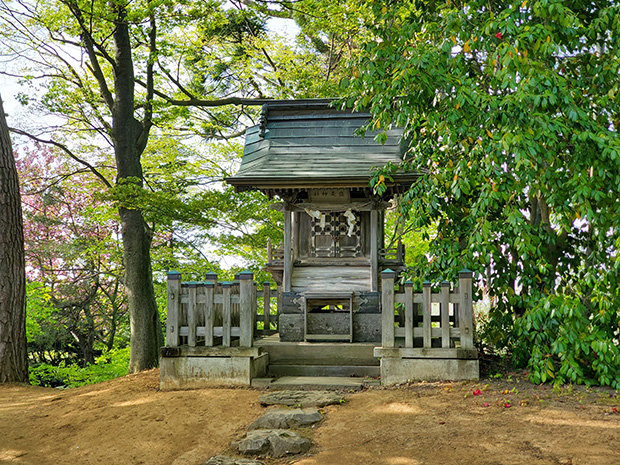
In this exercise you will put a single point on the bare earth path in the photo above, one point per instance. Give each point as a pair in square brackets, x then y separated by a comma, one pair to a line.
[129, 421]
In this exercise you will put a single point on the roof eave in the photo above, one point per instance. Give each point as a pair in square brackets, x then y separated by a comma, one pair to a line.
[259, 183]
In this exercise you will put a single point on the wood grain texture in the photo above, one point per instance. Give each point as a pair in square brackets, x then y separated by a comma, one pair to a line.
[13, 355]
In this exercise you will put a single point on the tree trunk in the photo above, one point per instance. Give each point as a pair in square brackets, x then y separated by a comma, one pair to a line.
[146, 332]
[13, 353]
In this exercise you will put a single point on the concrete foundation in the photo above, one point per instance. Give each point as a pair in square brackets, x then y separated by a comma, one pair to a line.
[198, 369]
[402, 370]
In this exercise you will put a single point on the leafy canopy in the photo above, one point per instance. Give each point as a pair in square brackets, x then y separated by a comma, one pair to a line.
[512, 110]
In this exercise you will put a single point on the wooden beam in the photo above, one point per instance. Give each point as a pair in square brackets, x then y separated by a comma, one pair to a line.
[174, 308]
[374, 250]
[466, 310]
[387, 308]
[246, 309]
[426, 312]
[288, 268]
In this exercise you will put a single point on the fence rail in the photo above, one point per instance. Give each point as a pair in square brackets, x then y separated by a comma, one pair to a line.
[427, 320]
[211, 313]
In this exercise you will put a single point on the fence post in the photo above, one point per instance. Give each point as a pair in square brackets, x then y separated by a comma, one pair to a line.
[209, 312]
[191, 314]
[409, 314]
[466, 310]
[246, 319]
[387, 308]
[174, 308]
[445, 314]
[278, 304]
[426, 313]
[226, 313]
[266, 305]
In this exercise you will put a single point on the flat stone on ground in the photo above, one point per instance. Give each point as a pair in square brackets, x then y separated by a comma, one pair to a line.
[273, 442]
[283, 418]
[225, 460]
[301, 398]
[317, 383]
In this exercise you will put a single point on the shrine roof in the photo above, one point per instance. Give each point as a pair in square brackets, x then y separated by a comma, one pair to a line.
[307, 143]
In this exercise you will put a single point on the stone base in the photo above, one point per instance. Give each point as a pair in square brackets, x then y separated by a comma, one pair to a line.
[198, 371]
[402, 370]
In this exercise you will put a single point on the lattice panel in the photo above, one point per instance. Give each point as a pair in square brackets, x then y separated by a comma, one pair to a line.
[336, 234]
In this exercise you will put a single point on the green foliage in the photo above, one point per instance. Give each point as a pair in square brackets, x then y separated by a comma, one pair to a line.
[560, 339]
[111, 364]
[513, 112]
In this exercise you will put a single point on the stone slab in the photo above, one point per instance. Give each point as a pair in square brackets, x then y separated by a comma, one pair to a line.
[317, 383]
[397, 370]
[284, 418]
[215, 351]
[273, 442]
[225, 460]
[199, 372]
[261, 383]
[291, 327]
[348, 371]
[302, 399]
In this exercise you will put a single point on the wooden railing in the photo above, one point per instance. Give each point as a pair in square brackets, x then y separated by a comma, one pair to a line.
[211, 313]
[274, 255]
[393, 255]
[427, 320]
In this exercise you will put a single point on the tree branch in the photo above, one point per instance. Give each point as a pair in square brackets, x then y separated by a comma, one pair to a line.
[147, 122]
[65, 149]
[89, 45]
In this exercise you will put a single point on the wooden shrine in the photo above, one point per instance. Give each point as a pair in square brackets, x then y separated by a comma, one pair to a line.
[338, 307]
[308, 155]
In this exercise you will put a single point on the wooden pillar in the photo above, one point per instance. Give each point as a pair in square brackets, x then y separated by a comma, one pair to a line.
[409, 333]
[269, 251]
[426, 313]
[209, 313]
[174, 308]
[246, 309]
[387, 308]
[288, 259]
[191, 314]
[466, 310]
[278, 305]
[266, 306]
[445, 314]
[374, 250]
[226, 313]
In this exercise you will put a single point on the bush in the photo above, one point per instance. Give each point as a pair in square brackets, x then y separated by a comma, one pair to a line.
[110, 365]
[564, 341]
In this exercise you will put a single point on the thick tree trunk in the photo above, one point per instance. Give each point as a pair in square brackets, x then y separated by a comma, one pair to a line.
[146, 332]
[13, 354]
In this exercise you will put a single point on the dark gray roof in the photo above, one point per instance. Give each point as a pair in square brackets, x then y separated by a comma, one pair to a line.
[303, 143]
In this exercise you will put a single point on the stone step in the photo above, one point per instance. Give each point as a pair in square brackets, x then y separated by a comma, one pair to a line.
[280, 369]
[319, 383]
[318, 353]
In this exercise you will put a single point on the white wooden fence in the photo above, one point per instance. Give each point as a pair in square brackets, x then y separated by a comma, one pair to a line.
[218, 313]
[427, 320]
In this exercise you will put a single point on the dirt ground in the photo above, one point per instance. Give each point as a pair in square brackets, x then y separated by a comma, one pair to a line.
[129, 421]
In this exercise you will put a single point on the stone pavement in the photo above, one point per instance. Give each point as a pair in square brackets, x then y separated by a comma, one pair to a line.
[271, 434]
